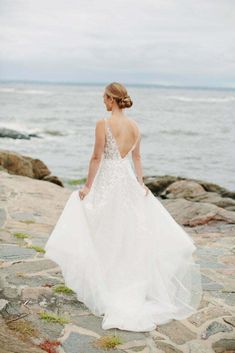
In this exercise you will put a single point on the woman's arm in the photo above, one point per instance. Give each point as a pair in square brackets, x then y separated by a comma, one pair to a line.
[97, 152]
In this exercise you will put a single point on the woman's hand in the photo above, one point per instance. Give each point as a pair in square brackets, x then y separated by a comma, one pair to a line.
[146, 188]
[83, 192]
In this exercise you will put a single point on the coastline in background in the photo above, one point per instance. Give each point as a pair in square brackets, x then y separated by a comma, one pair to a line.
[185, 132]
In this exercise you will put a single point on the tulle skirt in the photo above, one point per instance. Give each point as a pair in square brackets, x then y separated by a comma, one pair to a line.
[125, 256]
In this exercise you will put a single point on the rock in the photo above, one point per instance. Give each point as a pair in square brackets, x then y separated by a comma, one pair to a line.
[224, 345]
[177, 332]
[35, 293]
[199, 347]
[167, 348]
[207, 314]
[190, 190]
[18, 164]
[183, 189]
[193, 214]
[157, 184]
[77, 342]
[3, 304]
[230, 320]
[2, 216]
[215, 327]
[12, 342]
[4, 132]
[13, 252]
[53, 179]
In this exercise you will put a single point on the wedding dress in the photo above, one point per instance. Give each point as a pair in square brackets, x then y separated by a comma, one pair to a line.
[122, 252]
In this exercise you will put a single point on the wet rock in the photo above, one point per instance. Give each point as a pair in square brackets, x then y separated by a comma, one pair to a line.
[14, 134]
[215, 327]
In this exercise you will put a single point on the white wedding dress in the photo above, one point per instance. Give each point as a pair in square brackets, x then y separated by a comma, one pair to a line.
[123, 254]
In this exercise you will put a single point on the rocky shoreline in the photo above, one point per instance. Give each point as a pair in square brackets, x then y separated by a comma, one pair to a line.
[32, 288]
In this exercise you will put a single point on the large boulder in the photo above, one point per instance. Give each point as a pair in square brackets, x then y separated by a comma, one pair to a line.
[15, 163]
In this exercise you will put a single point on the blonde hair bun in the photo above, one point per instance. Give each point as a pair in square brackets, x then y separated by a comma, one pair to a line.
[119, 93]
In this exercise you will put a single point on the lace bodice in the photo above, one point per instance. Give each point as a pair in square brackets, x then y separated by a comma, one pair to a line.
[111, 150]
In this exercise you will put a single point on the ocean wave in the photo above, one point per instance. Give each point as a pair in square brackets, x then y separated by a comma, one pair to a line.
[180, 132]
[53, 132]
[24, 91]
[203, 100]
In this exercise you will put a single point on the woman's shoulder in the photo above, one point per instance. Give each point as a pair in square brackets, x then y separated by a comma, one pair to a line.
[134, 124]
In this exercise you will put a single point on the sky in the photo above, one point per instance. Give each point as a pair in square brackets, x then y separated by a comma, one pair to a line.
[166, 42]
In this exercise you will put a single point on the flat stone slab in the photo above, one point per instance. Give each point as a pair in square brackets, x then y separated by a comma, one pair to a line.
[177, 332]
[12, 252]
[2, 216]
[83, 343]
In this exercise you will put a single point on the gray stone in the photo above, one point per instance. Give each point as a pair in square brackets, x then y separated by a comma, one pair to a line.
[10, 292]
[82, 343]
[34, 281]
[228, 298]
[12, 252]
[207, 264]
[36, 293]
[22, 216]
[177, 332]
[29, 266]
[92, 322]
[207, 314]
[2, 217]
[3, 304]
[167, 348]
[215, 327]
[48, 330]
[197, 346]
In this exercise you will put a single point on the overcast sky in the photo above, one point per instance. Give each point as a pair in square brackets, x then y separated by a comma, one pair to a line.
[178, 42]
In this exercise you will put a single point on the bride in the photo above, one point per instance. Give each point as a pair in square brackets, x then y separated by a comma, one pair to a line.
[118, 248]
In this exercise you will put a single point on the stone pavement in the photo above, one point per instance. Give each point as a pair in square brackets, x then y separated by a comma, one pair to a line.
[30, 285]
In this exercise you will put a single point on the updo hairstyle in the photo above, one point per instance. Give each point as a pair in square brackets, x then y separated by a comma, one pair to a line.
[119, 93]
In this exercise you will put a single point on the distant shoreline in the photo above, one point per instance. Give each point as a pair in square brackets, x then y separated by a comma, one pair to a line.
[141, 85]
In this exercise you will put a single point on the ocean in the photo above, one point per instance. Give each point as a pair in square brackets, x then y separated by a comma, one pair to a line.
[186, 132]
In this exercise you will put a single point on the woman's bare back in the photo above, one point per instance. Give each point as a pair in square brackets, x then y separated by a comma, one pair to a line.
[126, 133]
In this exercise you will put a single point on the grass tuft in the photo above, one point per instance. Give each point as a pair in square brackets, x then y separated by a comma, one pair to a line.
[62, 289]
[37, 248]
[24, 328]
[77, 181]
[107, 342]
[21, 235]
[27, 221]
[51, 317]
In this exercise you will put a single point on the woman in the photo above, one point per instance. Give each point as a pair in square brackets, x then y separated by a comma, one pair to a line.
[118, 248]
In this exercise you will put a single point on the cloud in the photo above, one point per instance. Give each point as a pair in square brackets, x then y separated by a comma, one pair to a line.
[155, 41]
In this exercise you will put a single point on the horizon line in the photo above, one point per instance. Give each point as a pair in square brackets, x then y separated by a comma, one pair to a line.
[99, 83]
